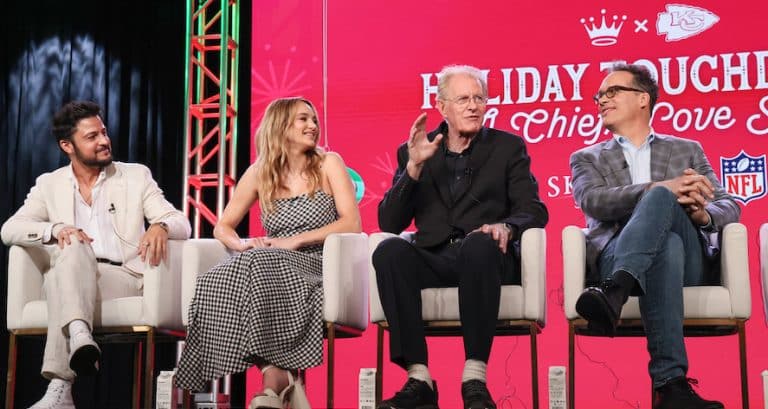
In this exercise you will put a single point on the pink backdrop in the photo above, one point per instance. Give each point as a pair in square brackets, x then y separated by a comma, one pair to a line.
[543, 68]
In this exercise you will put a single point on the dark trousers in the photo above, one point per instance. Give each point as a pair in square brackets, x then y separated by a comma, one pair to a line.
[475, 265]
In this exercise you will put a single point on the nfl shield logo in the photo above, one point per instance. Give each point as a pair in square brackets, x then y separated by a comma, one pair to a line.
[744, 176]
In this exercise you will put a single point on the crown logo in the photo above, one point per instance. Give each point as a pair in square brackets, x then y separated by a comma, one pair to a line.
[604, 35]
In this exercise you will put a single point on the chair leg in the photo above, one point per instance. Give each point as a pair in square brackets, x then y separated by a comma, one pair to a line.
[10, 386]
[331, 360]
[534, 367]
[149, 370]
[379, 362]
[571, 367]
[137, 368]
[743, 365]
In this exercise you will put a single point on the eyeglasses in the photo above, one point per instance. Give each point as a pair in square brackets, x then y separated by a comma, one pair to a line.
[611, 91]
[464, 100]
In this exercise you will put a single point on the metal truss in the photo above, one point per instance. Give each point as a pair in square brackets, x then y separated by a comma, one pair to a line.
[210, 149]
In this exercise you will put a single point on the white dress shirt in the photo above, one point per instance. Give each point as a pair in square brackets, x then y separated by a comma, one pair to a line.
[96, 221]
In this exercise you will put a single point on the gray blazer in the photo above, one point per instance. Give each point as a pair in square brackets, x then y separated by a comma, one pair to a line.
[602, 186]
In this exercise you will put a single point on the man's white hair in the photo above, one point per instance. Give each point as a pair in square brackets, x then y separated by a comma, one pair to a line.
[451, 70]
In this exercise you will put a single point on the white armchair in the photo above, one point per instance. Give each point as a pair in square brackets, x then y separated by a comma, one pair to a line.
[709, 310]
[345, 285]
[156, 311]
[522, 310]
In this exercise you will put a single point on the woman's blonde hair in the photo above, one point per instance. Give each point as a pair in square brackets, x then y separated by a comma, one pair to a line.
[273, 156]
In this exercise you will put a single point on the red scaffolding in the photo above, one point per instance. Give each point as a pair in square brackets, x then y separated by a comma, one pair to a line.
[210, 108]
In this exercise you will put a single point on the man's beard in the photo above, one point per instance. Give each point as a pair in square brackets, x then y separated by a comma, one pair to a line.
[92, 162]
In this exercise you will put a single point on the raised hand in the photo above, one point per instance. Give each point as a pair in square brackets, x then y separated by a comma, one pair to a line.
[419, 147]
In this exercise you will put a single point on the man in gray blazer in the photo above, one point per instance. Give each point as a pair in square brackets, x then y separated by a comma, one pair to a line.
[91, 216]
[654, 208]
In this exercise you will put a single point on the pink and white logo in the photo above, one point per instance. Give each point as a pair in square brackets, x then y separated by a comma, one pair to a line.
[681, 21]
[744, 176]
[605, 34]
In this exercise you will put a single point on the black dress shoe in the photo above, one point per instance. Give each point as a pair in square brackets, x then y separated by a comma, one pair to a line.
[601, 307]
[415, 394]
[476, 396]
[678, 394]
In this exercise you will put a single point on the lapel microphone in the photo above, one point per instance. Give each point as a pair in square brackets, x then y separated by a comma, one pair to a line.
[111, 208]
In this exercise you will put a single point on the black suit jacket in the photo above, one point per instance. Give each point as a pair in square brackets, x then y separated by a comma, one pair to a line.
[501, 189]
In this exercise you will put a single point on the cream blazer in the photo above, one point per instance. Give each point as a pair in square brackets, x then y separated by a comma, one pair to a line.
[134, 199]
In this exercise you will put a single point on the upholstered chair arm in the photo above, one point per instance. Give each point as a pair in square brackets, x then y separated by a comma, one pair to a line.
[734, 269]
[574, 268]
[198, 256]
[345, 279]
[26, 266]
[162, 289]
[533, 264]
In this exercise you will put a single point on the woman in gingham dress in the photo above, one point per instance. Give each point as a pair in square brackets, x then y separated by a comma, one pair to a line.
[264, 306]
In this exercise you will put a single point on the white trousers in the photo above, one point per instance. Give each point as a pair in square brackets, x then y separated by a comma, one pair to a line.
[73, 287]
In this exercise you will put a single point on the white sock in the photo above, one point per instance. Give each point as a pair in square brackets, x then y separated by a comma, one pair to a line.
[61, 382]
[420, 372]
[77, 326]
[474, 369]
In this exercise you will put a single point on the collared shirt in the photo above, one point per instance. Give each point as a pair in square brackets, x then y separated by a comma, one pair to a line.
[638, 157]
[639, 161]
[96, 221]
[457, 168]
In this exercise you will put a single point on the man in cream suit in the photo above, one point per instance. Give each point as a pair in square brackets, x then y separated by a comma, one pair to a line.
[654, 208]
[92, 213]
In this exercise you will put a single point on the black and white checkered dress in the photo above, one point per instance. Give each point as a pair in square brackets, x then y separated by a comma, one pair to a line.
[263, 305]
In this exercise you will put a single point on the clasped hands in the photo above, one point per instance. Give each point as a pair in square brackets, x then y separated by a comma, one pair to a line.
[693, 192]
[288, 243]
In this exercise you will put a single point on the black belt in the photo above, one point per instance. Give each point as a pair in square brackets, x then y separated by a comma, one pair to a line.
[108, 261]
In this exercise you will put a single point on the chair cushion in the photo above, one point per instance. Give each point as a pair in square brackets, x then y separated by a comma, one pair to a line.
[442, 304]
[700, 302]
[126, 311]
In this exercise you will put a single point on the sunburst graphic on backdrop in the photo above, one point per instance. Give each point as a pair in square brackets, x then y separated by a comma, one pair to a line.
[276, 82]
[278, 79]
[373, 192]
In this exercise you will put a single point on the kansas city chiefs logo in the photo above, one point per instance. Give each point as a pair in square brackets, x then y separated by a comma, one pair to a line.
[681, 21]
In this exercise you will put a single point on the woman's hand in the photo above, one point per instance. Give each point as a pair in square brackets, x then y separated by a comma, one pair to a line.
[288, 243]
[253, 243]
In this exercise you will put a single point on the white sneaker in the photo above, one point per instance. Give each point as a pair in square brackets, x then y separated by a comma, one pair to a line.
[84, 353]
[58, 396]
